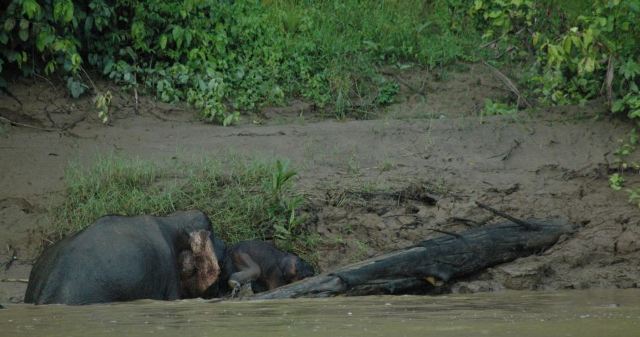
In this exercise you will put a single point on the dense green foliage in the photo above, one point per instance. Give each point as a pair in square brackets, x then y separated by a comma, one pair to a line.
[230, 57]
[254, 201]
[225, 57]
[582, 50]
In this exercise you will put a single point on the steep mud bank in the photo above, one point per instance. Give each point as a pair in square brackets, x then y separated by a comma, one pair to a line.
[372, 185]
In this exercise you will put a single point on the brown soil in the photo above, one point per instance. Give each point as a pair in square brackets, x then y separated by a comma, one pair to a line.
[374, 185]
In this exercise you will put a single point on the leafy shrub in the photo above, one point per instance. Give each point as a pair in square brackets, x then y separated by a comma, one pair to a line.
[502, 17]
[598, 51]
[45, 27]
[585, 50]
[227, 57]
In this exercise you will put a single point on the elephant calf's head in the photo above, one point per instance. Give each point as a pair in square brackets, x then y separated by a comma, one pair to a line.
[198, 264]
[295, 269]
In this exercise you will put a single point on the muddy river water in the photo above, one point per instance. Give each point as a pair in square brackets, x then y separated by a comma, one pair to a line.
[594, 313]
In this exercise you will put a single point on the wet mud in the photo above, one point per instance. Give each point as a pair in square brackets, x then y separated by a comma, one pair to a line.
[408, 173]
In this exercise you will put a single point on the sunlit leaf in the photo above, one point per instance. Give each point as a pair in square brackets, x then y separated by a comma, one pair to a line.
[23, 34]
[50, 68]
[63, 10]
[630, 69]
[9, 23]
[24, 24]
[163, 41]
[30, 8]
[75, 87]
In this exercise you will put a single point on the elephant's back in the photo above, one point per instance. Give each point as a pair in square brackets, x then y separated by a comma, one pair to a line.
[42, 272]
[115, 259]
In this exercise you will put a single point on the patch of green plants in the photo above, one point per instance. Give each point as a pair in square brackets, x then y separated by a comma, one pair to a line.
[244, 199]
[616, 181]
[362, 247]
[387, 92]
[502, 18]
[597, 55]
[582, 50]
[493, 108]
[385, 165]
[229, 57]
[625, 163]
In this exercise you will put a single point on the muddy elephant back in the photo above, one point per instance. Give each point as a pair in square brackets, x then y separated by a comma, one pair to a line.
[109, 261]
[41, 273]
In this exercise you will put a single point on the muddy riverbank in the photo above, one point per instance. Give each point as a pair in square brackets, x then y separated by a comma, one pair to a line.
[371, 185]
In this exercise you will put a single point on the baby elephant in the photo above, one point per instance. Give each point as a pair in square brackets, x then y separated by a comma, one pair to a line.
[263, 266]
[197, 264]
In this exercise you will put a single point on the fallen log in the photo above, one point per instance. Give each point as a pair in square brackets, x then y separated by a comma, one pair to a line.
[438, 260]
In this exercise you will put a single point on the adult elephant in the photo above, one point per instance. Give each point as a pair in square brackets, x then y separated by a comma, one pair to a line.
[119, 258]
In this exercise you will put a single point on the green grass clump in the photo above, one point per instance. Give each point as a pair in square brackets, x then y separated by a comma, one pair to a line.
[342, 45]
[494, 108]
[244, 199]
[111, 186]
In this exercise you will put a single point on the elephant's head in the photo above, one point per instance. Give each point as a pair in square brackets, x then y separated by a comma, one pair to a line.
[198, 264]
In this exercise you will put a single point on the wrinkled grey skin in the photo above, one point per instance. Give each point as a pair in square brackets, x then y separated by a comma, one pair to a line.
[117, 258]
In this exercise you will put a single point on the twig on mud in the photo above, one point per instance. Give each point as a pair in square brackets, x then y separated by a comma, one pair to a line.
[405, 83]
[495, 87]
[411, 87]
[455, 235]
[12, 259]
[608, 82]
[62, 108]
[154, 107]
[10, 94]
[74, 123]
[509, 84]
[95, 89]
[162, 118]
[17, 280]
[504, 52]
[426, 198]
[6, 120]
[527, 225]
[469, 222]
[49, 118]
[135, 96]
[507, 154]
[485, 45]
[45, 79]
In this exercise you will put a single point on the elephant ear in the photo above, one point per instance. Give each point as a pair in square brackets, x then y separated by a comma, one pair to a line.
[183, 240]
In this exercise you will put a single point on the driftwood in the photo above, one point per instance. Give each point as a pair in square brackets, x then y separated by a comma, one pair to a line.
[418, 268]
[16, 280]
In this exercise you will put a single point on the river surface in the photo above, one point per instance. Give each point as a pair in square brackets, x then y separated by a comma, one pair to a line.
[601, 313]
